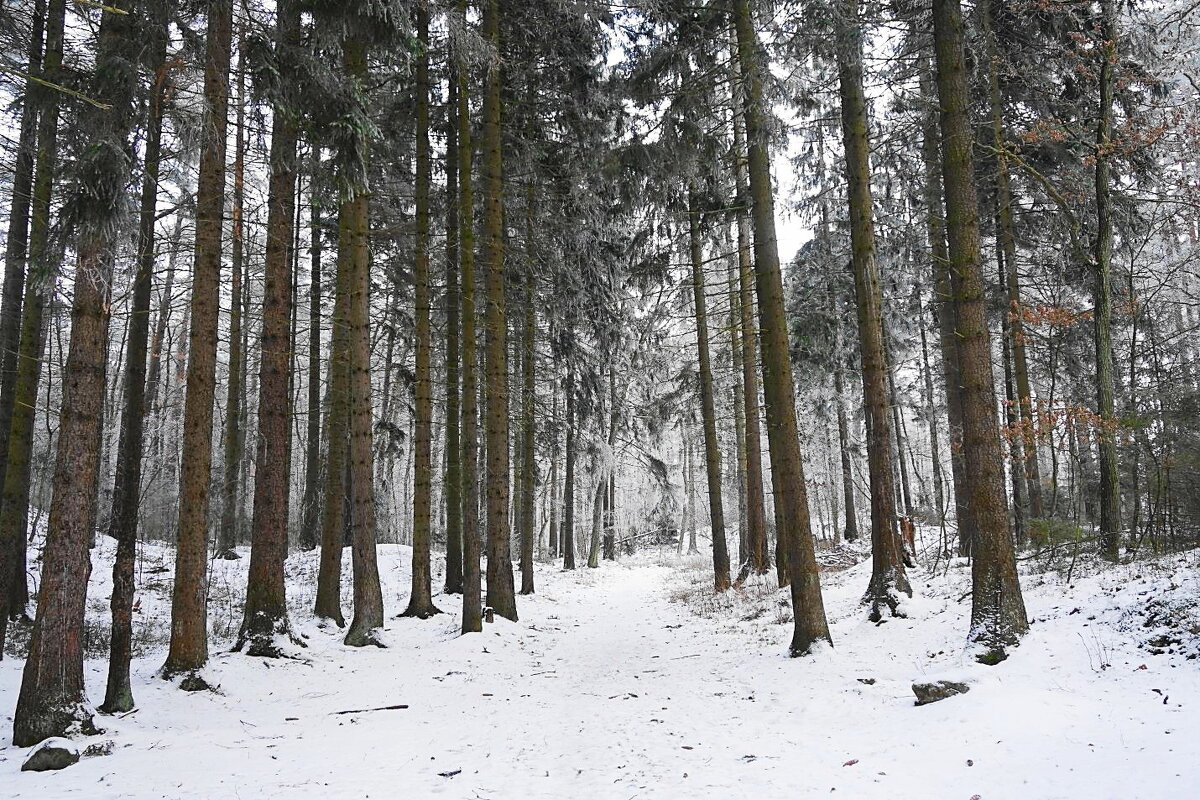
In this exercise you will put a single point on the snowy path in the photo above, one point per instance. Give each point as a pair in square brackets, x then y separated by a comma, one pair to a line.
[609, 689]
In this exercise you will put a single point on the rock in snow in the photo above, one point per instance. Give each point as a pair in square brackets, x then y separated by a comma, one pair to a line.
[932, 691]
[55, 753]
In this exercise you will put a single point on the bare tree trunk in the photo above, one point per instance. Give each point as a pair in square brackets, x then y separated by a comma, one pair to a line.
[500, 595]
[16, 243]
[42, 270]
[529, 399]
[368, 596]
[472, 618]
[420, 603]
[453, 478]
[265, 620]
[756, 523]
[123, 521]
[1110, 480]
[712, 448]
[997, 609]
[310, 527]
[189, 602]
[53, 698]
[787, 469]
[334, 520]
[235, 437]
[567, 534]
[947, 339]
[888, 579]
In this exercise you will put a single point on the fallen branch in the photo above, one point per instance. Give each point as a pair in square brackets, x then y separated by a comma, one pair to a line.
[366, 710]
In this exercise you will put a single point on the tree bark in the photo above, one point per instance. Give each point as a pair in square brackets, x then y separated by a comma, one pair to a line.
[472, 619]
[997, 609]
[310, 526]
[368, 596]
[189, 604]
[529, 399]
[888, 579]
[787, 469]
[453, 478]
[123, 521]
[235, 437]
[53, 698]
[265, 626]
[14, 499]
[708, 411]
[567, 534]
[500, 595]
[16, 243]
[1110, 480]
[420, 603]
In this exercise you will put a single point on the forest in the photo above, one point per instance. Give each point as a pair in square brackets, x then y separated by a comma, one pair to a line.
[573, 398]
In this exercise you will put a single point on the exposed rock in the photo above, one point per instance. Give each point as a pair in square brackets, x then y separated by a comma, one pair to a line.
[95, 749]
[53, 753]
[932, 691]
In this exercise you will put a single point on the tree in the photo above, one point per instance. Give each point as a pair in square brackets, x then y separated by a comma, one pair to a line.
[41, 273]
[787, 469]
[997, 607]
[123, 521]
[712, 453]
[189, 601]
[888, 579]
[500, 595]
[420, 603]
[53, 697]
[265, 626]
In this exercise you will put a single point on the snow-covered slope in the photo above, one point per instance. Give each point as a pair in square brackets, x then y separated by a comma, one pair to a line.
[633, 681]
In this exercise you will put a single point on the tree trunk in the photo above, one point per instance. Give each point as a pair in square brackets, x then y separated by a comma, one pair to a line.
[335, 520]
[368, 596]
[53, 698]
[189, 603]
[16, 244]
[420, 603]
[708, 411]
[311, 522]
[787, 469]
[947, 338]
[265, 621]
[235, 437]
[1110, 481]
[567, 534]
[14, 500]
[472, 619]
[123, 521]
[756, 523]
[1024, 448]
[997, 608]
[500, 594]
[453, 478]
[888, 579]
[528, 401]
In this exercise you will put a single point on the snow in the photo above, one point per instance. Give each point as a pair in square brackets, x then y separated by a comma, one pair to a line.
[633, 680]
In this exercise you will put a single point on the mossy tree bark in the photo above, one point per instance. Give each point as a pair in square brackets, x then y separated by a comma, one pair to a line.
[787, 469]
[997, 608]
[453, 476]
[310, 525]
[888, 579]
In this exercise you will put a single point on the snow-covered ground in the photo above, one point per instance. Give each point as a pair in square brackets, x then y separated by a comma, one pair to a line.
[632, 681]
